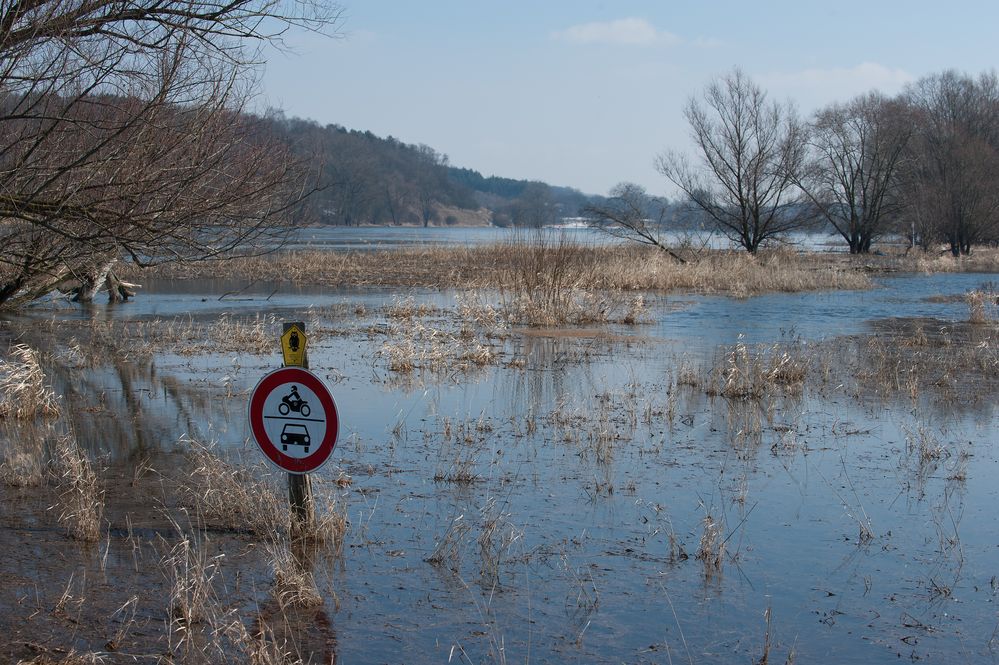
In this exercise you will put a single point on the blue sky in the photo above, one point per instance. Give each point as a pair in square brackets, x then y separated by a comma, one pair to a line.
[585, 93]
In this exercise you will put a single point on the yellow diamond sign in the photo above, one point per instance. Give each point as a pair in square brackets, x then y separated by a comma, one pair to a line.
[293, 343]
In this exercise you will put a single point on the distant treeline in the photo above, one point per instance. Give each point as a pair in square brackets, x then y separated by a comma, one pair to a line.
[360, 178]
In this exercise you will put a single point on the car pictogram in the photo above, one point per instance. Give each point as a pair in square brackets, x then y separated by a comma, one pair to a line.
[294, 434]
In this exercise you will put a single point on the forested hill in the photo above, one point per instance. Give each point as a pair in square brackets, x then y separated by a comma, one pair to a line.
[367, 179]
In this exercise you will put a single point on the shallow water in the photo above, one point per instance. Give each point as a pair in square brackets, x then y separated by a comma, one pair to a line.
[584, 464]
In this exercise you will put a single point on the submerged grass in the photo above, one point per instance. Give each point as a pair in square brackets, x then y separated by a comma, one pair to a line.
[547, 268]
[229, 496]
[24, 393]
[81, 497]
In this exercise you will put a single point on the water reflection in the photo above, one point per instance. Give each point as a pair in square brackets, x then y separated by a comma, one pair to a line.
[860, 520]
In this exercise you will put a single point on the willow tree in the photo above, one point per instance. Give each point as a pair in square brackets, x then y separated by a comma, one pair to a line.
[853, 177]
[955, 156]
[749, 151]
[123, 135]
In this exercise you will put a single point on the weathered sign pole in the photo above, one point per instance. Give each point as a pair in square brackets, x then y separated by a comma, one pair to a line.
[303, 511]
[294, 420]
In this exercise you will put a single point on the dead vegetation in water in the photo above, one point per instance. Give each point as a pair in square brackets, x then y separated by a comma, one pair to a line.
[711, 548]
[227, 496]
[245, 499]
[294, 586]
[983, 304]
[938, 259]
[24, 393]
[958, 362]
[563, 265]
[420, 338]
[747, 372]
[80, 503]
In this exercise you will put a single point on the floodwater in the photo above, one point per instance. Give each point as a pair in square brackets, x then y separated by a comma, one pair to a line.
[566, 484]
[382, 237]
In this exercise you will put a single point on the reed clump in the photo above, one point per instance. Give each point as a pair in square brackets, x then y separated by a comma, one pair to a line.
[752, 373]
[231, 497]
[24, 393]
[912, 357]
[938, 259]
[293, 585]
[982, 304]
[80, 494]
[192, 574]
[711, 548]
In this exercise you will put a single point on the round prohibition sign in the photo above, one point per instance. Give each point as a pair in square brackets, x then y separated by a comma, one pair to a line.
[294, 420]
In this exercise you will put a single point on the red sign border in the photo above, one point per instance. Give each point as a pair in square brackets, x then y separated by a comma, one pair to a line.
[255, 413]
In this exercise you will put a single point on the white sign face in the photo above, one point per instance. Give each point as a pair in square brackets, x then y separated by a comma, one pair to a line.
[294, 419]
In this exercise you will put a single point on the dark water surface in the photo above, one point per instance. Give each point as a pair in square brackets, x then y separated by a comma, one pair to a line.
[587, 458]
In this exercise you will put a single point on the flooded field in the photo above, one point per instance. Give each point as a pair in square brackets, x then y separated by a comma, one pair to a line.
[781, 478]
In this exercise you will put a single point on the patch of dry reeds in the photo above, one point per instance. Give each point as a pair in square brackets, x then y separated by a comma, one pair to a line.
[545, 268]
[711, 548]
[80, 495]
[982, 304]
[495, 540]
[24, 462]
[746, 372]
[293, 585]
[231, 497]
[447, 550]
[23, 391]
[415, 345]
[192, 573]
[911, 357]
[939, 259]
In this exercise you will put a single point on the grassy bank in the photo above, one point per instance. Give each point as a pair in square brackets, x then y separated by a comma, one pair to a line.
[551, 263]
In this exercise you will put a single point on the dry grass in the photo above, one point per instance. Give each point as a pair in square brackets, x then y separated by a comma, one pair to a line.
[447, 550]
[23, 391]
[230, 497]
[746, 372]
[911, 357]
[711, 548]
[293, 585]
[258, 335]
[331, 525]
[71, 658]
[982, 304]
[982, 259]
[245, 499]
[81, 497]
[495, 540]
[416, 345]
[546, 268]
[24, 459]
[192, 574]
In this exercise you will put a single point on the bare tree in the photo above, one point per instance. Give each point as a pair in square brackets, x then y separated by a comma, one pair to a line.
[123, 134]
[397, 195]
[428, 181]
[629, 213]
[955, 155]
[535, 207]
[852, 176]
[750, 153]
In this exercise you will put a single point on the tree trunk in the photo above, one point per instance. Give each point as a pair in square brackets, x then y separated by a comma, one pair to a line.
[92, 282]
[118, 291]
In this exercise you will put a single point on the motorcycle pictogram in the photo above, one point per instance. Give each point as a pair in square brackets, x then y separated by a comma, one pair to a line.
[294, 402]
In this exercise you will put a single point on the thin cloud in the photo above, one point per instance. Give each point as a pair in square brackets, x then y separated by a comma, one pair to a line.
[623, 31]
[838, 83]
